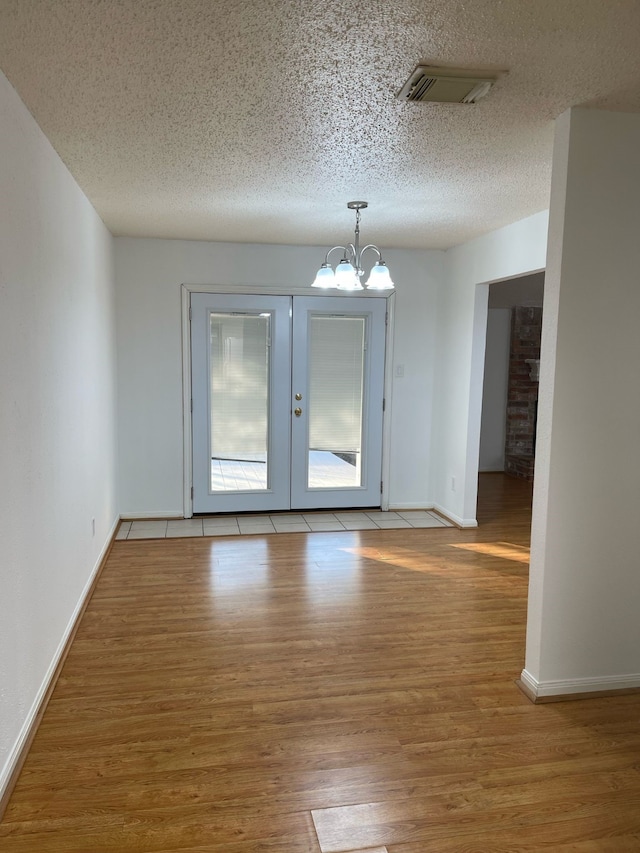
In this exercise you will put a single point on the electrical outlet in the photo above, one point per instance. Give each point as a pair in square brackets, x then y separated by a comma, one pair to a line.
[453, 484]
[93, 527]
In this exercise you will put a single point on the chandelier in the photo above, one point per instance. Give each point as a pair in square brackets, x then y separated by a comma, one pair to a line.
[349, 271]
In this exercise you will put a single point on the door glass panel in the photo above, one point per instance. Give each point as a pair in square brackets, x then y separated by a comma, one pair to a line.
[336, 369]
[239, 424]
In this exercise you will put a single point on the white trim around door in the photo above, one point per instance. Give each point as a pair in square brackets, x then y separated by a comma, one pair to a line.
[186, 292]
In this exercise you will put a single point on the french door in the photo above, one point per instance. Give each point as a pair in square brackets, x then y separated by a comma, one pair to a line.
[287, 401]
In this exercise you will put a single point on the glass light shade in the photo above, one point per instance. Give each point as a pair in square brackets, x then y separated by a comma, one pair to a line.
[379, 277]
[346, 276]
[324, 277]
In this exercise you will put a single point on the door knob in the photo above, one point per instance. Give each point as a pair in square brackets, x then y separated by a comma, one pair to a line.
[298, 396]
[297, 412]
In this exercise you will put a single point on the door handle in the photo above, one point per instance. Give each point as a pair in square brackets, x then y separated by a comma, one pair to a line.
[297, 412]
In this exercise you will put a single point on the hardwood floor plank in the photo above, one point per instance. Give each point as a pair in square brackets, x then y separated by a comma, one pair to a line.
[444, 822]
[518, 842]
[348, 691]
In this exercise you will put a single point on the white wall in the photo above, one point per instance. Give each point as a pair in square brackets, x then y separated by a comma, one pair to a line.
[515, 250]
[148, 278]
[57, 424]
[495, 388]
[583, 630]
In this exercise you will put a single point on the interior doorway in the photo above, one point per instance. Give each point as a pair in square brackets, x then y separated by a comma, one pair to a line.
[510, 386]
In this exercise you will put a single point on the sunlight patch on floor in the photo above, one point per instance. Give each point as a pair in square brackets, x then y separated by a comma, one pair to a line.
[418, 561]
[405, 558]
[497, 549]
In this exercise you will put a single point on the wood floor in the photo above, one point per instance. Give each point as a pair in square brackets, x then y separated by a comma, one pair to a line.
[309, 692]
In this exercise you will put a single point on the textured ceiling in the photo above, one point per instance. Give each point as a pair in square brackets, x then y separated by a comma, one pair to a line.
[257, 120]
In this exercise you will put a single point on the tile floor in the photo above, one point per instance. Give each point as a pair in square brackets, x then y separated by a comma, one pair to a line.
[284, 522]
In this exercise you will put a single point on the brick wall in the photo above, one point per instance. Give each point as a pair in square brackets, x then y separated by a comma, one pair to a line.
[522, 394]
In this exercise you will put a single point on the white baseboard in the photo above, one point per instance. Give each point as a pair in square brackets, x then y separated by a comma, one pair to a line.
[571, 686]
[134, 516]
[16, 753]
[408, 505]
[457, 520]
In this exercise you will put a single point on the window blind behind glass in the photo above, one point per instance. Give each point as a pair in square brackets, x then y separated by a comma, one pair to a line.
[239, 386]
[336, 365]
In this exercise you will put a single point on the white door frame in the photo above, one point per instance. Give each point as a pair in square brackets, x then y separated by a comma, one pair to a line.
[185, 297]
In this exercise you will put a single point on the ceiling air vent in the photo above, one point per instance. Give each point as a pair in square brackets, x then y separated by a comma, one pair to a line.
[447, 85]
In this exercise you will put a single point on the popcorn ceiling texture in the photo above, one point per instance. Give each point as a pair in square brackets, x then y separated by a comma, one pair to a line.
[257, 120]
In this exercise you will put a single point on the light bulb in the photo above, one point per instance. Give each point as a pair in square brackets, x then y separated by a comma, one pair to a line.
[325, 277]
[379, 277]
[346, 276]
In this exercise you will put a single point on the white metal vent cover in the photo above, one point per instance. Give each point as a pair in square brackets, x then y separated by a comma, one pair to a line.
[447, 85]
